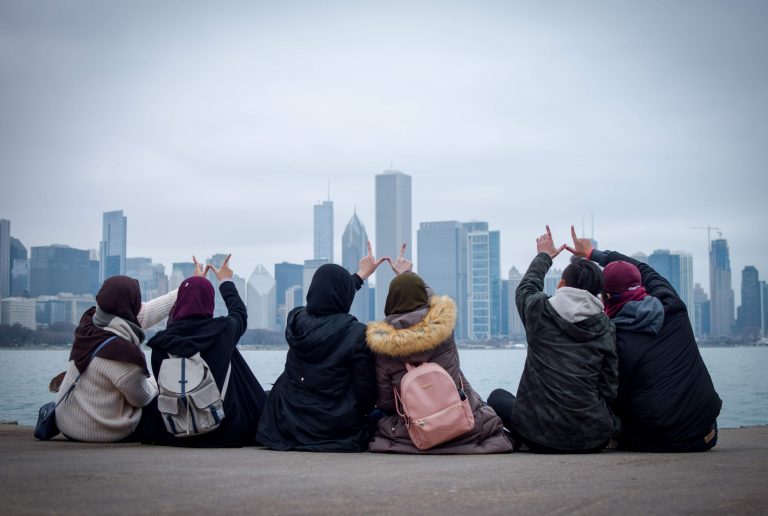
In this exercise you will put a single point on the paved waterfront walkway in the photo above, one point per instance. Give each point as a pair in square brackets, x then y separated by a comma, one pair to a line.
[59, 477]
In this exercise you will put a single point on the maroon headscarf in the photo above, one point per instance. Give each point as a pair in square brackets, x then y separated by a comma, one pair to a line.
[195, 299]
[623, 282]
[118, 296]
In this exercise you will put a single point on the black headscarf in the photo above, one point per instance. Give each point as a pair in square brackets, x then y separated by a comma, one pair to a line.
[407, 293]
[119, 296]
[332, 290]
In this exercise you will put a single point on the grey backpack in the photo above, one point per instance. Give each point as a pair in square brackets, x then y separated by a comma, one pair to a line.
[189, 400]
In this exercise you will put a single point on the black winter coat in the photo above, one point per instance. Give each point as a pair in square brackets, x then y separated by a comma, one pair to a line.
[216, 340]
[321, 401]
[570, 372]
[666, 397]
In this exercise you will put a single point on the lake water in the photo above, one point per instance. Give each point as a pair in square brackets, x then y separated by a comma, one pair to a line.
[739, 375]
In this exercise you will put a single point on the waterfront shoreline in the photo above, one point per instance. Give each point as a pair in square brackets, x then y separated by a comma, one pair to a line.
[73, 478]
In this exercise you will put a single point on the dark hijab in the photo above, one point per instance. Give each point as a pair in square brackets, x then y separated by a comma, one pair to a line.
[194, 300]
[331, 291]
[119, 296]
[407, 293]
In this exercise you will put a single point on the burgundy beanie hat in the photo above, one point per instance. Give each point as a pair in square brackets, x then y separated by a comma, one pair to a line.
[620, 277]
[195, 299]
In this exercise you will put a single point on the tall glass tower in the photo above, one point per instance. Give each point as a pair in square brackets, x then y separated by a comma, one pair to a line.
[354, 245]
[5, 258]
[393, 227]
[443, 264]
[324, 231]
[721, 290]
[260, 299]
[113, 244]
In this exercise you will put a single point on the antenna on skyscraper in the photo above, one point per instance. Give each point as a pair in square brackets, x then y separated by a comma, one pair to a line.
[329, 189]
[709, 233]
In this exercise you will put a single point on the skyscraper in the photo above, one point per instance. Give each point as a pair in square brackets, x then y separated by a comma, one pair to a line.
[151, 277]
[113, 244]
[721, 290]
[19, 269]
[220, 308]
[677, 268]
[287, 276]
[750, 311]
[764, 303]
[442, 253]
[686, 284]
[59, 268]
[179, 272]
[504, 307]
[261, 300]
[5, 258]
[483, 281]
[516, 329]
[354, 246]
[393, 227]
[701, 328]
[324, 231]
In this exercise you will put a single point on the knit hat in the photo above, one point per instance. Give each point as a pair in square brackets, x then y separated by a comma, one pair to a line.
[621, 276]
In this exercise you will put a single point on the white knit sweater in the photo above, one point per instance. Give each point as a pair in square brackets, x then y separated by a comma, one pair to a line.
[105, 406]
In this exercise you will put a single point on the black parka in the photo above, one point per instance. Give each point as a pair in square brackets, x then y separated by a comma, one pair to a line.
[666, 398]
[321, 400]
[216, 339]
[570, 372]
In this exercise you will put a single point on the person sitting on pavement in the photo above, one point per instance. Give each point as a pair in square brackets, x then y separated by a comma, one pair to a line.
[666, 399]
[571, 373]
[115, 385]
[418, 329]
[192, 329]
[322, 399]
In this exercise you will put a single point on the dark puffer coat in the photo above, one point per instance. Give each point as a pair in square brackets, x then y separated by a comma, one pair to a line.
[426, 335]
[322, 399]
[666, 399]
[571, 373]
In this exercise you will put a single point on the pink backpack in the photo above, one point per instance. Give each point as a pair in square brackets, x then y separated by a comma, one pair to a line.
[435, 411]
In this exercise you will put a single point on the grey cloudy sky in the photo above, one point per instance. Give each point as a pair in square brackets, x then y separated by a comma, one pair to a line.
[216, 126]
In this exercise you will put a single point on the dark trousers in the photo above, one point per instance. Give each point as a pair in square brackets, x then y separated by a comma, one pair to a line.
[696, 445]
[505, 405]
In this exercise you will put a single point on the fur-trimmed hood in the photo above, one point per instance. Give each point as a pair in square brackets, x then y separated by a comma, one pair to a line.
[425, 335]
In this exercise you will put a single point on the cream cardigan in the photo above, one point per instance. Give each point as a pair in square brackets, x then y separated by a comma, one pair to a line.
[106, 404]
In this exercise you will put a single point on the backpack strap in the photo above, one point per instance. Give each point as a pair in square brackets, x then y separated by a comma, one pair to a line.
[93, 355]
[226, 382]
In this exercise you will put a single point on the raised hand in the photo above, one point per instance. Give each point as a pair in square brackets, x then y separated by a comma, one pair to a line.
[223, 273]
[402, 264]
[581, 246]
[368, 264]
[199, 270]
[545, 244]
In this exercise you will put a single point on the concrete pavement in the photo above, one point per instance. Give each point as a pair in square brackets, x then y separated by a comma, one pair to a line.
[60, 477]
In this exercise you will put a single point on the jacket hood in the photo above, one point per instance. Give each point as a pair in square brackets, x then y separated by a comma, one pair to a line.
[575, 305]
[311, 335]
[646, 316]
[427, 334]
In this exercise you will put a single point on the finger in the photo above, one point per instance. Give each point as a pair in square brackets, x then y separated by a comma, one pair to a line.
[370, 249]
[573, 234]
[571, 249]
[214, 269]
[402, 250]
[382, 260]
[226, 261]
[549, 233]
[207, 268]
[194, 260]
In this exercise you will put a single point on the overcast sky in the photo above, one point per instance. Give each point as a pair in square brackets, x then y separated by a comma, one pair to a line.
[216, 126]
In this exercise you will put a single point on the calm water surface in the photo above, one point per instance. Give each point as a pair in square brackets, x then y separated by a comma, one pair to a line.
[739, 375]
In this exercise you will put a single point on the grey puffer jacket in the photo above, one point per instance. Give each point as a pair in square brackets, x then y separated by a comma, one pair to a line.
[426, 335]
[571, 371]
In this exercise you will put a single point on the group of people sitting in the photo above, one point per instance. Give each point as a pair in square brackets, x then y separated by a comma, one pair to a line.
[611, 360]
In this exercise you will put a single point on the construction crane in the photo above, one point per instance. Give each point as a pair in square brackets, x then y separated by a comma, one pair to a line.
[709, 233]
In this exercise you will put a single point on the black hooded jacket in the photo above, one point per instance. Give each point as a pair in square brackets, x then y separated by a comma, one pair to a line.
[216, 340]
[570, 372]
[666, 400]
[321, 401]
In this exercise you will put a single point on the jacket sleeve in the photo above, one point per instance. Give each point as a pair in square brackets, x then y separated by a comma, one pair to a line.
[237, 313]
[386, 397]
[531, 287]
[655, 284]
[363, 375]
[608, 384]
[154, 311]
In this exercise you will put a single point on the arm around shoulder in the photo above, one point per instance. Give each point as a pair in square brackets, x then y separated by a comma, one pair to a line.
[154, 311]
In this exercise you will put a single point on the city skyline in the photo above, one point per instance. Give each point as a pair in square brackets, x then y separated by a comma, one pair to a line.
[649, 115]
